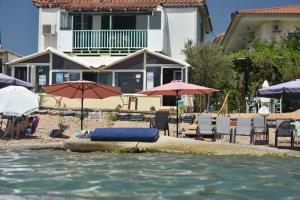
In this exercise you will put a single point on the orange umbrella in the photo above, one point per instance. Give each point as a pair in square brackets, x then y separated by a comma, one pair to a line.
[82, 89]
[177, 88]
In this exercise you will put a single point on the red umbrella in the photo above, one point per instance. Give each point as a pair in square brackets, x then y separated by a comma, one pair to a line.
[82, 89]
[177, 88]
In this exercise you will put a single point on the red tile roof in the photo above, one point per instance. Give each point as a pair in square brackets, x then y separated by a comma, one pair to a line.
[113, 4]
[283, 10]
[218, 38]
[289, 9]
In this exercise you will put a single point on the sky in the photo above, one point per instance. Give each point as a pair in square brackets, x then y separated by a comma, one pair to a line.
[19, 24]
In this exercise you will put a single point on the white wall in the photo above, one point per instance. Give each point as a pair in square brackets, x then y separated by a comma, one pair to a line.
[265, 31]
[64, 40]
[156, 36]
[180, 25]
[47, 16]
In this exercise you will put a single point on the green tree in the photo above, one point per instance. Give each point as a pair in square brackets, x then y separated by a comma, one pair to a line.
[210, 68]
[275, 61]
[291, 46]
[265, 64]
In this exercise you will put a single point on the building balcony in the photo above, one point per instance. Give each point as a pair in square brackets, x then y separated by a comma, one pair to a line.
[109, 41]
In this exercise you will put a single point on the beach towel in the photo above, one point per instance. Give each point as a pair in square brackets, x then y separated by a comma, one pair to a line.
[54, 133]
[35, 123]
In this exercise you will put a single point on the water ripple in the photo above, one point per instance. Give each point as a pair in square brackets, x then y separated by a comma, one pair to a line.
[61, 175]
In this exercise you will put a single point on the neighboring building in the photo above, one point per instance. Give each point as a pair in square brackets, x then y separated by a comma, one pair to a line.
[6, 56]
[132, 44]
[263, 24]
[219, 38]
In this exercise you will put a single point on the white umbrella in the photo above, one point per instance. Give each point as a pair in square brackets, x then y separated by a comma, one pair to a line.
[264, 100]
[18, 101]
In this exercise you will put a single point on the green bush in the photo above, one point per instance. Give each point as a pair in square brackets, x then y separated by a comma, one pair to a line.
[113, 117]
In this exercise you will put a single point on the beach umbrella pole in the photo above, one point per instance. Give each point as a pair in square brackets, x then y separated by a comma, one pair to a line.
[12, 128]
[81, 115]
[177, 118]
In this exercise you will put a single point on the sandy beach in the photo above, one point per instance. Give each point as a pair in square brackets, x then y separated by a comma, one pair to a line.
[41, 140]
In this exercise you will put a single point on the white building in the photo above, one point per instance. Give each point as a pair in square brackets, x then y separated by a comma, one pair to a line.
[263, 24]
[120, 27]
[7, 56]
[132, 44]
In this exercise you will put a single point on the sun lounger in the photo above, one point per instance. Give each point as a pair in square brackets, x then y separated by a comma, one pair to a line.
[244, 128]
[205, 127]
[125, 134]
[223, 127]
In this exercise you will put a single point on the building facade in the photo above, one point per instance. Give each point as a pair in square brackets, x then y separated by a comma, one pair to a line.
[264, 24]
[132, 44]
[121, 27]
[5, 57]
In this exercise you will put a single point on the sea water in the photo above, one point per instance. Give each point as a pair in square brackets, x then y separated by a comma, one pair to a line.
[67, 175]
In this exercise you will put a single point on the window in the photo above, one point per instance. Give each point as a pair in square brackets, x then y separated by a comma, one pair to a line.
[77, 22]
[142, 22]
[124, 22]
[130, 82]
[65, 21]
[89, 76]
[155, 20]
[41, 77]
[177, 75]
[202, 34]
[21, 73]
[59, 77]
[293, 35]
[82, 22]
[105, 22]
[153, 77]
[74, 76]
[105, 78]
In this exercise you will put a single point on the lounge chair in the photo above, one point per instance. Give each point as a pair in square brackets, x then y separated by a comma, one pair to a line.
[223, 127]
[284, 128]
[205, 127]
[260, 129]
[161, 121]
[125, 134]
[244, 128]
[297, 131]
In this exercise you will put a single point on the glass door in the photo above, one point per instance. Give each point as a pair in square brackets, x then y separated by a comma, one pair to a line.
[21, 73]
[41, 77]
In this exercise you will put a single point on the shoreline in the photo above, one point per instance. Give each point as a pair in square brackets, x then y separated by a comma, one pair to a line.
[163, 145]
[41, 141]
[179, 145]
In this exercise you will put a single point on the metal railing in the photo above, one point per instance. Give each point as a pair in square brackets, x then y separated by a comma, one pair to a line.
[109, 39]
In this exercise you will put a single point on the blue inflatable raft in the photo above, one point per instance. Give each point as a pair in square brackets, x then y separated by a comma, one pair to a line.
[125, 134]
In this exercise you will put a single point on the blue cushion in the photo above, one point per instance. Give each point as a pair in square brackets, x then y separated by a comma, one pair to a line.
[125, 134]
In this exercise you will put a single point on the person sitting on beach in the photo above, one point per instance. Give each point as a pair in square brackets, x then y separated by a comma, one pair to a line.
[29, 126]
[22, 127]
[19, 127]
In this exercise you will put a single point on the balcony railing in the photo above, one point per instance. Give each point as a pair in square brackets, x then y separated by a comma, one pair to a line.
[110, 40]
